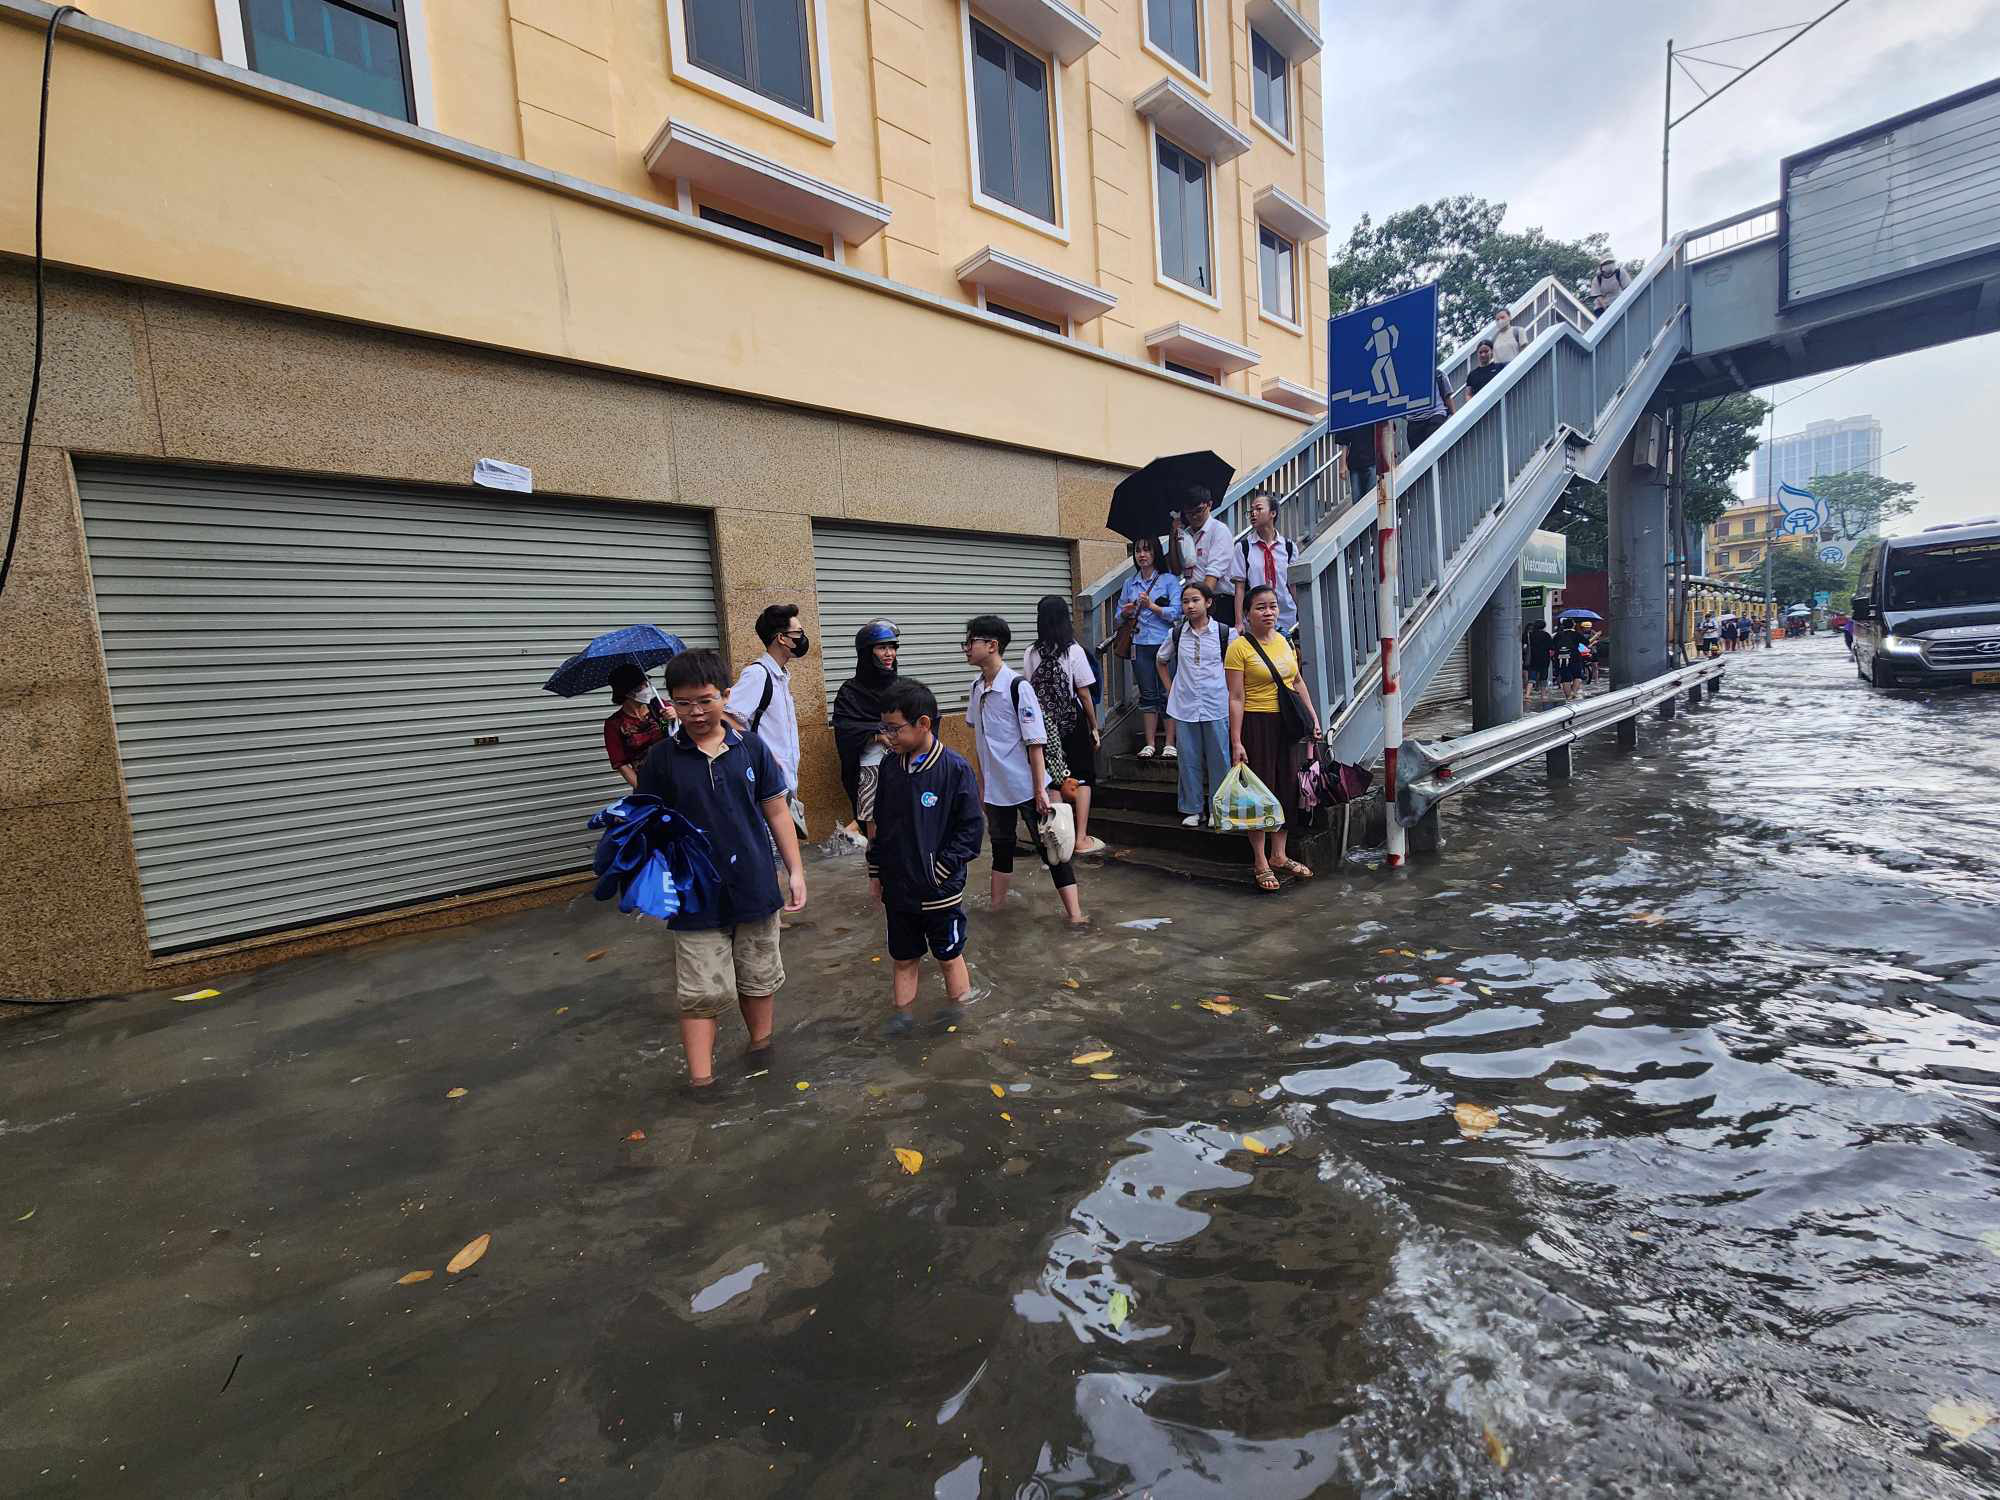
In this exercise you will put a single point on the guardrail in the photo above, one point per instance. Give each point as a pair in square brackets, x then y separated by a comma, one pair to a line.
[1432, 770]
[1732, 233]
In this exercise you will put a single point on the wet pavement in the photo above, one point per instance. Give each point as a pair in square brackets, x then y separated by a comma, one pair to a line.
[1643, 1142]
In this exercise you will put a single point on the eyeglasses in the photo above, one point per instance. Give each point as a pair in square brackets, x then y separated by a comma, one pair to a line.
[972, 640]
[682, 705]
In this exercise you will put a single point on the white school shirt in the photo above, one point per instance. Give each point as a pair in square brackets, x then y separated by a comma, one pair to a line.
[1200, 692]
[779, 728]
[1212, 550]
[1253, 575]
[1075, 661]
[1004, 773]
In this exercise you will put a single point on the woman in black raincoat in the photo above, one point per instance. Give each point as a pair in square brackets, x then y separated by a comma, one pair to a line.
[857, 717]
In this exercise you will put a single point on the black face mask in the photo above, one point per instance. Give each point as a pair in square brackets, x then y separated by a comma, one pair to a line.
[801, 643]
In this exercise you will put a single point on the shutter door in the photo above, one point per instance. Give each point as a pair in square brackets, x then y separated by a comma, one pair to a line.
[303, 676]
[1452, 679]
[930, 583]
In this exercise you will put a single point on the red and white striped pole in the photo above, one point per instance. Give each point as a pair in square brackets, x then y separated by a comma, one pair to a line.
[1386, 619]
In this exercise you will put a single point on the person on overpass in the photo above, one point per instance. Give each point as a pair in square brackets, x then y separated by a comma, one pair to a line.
[1604, 284]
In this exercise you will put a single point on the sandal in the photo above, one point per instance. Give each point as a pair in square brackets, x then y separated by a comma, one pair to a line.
[1266, 878]
[1296, 869]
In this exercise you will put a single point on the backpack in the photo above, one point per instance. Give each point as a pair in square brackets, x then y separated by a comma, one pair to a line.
[1057, 692]
[1174, 643]
[1281, 550]
[770, 687]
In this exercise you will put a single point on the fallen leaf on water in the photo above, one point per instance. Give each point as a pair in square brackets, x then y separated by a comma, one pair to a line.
[1434, 953]
[1104, 1077]
[637, 1135]
[1407, 952]
[1220, 1007]
[562, 1010]
[456, 1093]
[414, 1277]
[1451, 981]
[469, 1255]
[1638, 1234]
[27, 1216]
[1495, 1449]
[198, 995]
[801, 1085]
[1251, 1143]
[998, 1092]
[1474, 1119]
[1089, 1057]
[1071, 984]
[1385, 952]
[875, 958]
[1275, 997]
[1007, 1117]
[1964, 1420]
[1121, 1309]
[1991, 1240]
[595, 954]
[912, 1161]
[1483, 989]
[1648, 918]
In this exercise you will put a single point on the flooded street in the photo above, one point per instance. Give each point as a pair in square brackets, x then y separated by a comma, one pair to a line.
[1642, 1143]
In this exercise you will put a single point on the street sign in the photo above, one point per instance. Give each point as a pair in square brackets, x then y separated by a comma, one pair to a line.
[1382, 360]
[1822, 599]
[1804, 513]
[1545, 560]
[1833, 552]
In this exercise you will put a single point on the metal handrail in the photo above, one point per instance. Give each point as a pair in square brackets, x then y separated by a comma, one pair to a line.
[1746, 228]
[1438, 768]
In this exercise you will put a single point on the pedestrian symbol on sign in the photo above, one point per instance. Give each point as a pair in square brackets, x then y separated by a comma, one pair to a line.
[1382, 360]
[1383, 339]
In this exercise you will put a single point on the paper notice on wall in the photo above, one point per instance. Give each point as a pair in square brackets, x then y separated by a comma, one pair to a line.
[498, 474]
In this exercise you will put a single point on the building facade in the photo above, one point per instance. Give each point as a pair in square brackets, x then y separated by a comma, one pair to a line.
[1849, 445]
[858, 306]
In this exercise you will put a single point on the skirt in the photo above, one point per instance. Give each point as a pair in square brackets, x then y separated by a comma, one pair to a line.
[1080, 753]
[1272, 761]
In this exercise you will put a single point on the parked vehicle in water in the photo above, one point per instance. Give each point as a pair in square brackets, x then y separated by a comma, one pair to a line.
[1927, 608]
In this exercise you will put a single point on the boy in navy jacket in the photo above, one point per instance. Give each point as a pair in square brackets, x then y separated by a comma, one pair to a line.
[928, 827]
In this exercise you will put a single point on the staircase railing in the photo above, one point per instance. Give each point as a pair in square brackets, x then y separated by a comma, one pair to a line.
[1509, 442]
[1310, 481]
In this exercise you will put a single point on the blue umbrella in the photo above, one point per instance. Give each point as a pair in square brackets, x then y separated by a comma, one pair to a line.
[1579, 614]
[590, 670]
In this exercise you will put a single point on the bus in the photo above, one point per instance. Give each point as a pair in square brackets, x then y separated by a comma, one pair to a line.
[1927, 608]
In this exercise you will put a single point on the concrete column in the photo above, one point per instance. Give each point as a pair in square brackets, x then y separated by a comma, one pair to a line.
[1628, 734]
[1558, 761]
[1637, 562]
[1495, 655]
[1426, 835]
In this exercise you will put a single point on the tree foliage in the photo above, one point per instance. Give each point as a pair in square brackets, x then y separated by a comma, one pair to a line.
[1459, 244]
[1797, 574]
[1719, 437]
[1858, 503]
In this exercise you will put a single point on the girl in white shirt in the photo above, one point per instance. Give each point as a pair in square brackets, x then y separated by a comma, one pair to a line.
[1198, 701]
[1061, 676]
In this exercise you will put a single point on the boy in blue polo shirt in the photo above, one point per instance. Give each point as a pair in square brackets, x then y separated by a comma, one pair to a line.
[728, 784]
[928, 826]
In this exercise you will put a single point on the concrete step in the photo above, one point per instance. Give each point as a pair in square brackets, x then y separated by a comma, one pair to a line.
[1223, 872]
[1133, 828]
[1138, 796]
[1132, 768]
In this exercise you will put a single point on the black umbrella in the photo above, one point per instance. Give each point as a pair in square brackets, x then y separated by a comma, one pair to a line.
[1140, 506]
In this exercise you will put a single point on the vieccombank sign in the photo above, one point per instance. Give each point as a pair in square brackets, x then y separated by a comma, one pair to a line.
[1545, 561]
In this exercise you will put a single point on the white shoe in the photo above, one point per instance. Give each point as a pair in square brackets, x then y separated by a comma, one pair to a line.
[1172, 752]
[1147, 752]
[1192, 820]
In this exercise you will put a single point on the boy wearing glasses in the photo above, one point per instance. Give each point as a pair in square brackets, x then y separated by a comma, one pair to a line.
[927, 830]
[1007, 721]
[730, 786]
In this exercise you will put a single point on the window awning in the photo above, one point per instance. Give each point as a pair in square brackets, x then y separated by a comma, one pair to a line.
[1288, 216]
[1010, 279]
[1185, 345]
[1282, 392]
[758, 183]
[1284, 28]
[1047, 24]
[1190, 122]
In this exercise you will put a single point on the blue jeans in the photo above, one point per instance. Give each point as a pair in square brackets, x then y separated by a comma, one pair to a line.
[1204, 747]
[1146, 672]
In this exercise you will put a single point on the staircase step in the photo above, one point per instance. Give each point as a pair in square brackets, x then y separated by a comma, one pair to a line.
[1139, 796]
[1225, 872]
[1153, 768]
[1133, 828]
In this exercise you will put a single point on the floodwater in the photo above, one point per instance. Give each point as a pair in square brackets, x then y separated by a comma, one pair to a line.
[1641, 1143]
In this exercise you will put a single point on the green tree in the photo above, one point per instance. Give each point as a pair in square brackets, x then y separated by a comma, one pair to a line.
[1796, 575]
[1859, 503]
[1716, 439]
[1459, 244]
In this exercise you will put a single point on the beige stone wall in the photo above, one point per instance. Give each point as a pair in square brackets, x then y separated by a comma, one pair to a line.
[144, 373]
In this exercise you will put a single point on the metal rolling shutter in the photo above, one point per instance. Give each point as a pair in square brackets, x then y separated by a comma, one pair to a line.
[930, 583]
[301, 671]
[1452, 680]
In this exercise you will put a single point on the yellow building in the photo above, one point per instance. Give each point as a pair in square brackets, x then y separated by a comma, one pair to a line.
[863, 305]
[1736, 541]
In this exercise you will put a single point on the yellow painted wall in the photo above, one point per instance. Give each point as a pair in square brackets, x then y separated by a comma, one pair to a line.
[166, 176]
[581, 86]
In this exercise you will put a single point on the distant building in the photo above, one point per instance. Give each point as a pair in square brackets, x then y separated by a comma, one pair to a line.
[1736, 541]
[1830, 447]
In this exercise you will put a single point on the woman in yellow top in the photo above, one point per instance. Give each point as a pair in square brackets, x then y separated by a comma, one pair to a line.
[1255, 738]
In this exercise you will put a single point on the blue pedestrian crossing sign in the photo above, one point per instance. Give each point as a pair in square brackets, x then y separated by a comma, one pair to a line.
[1382, 360]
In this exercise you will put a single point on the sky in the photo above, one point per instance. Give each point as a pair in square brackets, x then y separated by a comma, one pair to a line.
[1554, 108]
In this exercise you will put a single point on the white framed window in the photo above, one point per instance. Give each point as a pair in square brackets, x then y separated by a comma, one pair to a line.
[1176, 33]
[1183, 219]
[1207, 376]
[1277, 277]
[371, 53]
[1020, 315]
[768, 56]
[1014, 128]
[1270, 88]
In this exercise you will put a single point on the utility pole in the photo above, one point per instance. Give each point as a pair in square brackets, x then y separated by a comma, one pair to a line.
[1770, 521]
[1666, 140]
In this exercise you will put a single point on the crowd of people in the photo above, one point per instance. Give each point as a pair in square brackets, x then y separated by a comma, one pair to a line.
[724, 754]
[1566, 658]
[1720, 633]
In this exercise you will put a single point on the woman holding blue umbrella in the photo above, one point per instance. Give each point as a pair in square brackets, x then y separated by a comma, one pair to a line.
[641, 720]
[619, 660]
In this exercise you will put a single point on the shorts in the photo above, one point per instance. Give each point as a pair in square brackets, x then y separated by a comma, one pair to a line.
[713, 967]
[942, 932]
[864, 793]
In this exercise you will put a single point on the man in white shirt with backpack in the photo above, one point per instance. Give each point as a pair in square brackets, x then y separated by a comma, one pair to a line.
[762, 698]
[1265, 557]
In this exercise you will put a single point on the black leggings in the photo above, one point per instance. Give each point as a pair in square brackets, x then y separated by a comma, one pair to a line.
[1000, 825]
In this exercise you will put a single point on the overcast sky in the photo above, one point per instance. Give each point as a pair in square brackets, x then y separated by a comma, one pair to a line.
[1554, 108]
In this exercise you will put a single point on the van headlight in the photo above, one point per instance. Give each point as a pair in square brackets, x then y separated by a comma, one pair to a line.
[1897, 645]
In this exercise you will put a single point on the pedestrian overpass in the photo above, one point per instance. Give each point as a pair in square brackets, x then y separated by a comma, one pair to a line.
[1881, 242]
